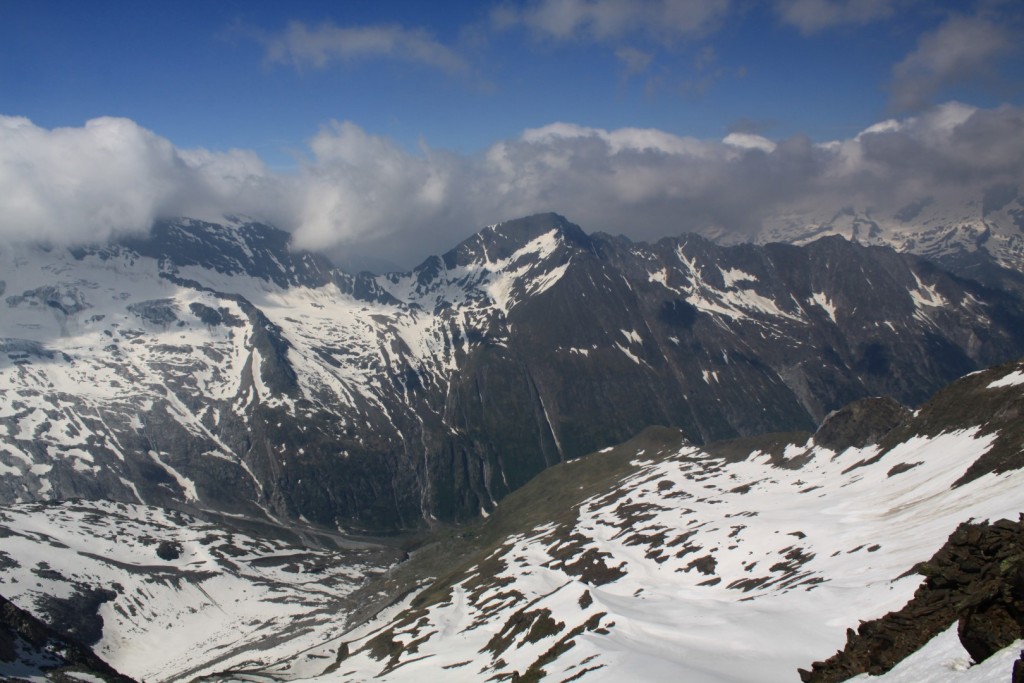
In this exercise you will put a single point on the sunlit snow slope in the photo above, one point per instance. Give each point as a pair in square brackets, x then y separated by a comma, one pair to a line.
[163, 596]
[720, 565]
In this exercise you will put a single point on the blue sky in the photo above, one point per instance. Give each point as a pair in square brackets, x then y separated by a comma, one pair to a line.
[439, 86]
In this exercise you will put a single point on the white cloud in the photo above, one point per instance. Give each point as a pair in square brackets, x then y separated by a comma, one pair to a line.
[360, 187]
[749, 141]
[811, 16]
[635, 61]
[112, 177]
[84, 183]
[612, 19]
[962, 49]
[360, 193]
[617, 141]
[301, 45]
[75, 179]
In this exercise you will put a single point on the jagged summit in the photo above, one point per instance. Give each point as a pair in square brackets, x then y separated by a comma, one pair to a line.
[499, 242]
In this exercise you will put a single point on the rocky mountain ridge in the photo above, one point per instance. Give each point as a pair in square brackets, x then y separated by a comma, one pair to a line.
[967, 238]
[209, 367]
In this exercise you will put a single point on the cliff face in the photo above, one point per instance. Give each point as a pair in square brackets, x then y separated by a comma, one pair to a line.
[30, 650]
[975, 581]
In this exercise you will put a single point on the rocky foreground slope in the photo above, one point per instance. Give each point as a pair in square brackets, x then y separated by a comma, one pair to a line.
[208, 367]
[976, 580]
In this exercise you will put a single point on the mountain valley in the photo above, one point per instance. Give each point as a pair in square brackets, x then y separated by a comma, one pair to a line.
[542, 455]
[657, 559]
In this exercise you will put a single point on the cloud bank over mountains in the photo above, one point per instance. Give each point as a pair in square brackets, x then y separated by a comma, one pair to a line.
[961, 50]
[365, 193]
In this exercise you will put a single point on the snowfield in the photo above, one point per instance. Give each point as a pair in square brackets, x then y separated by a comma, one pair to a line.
[690, 566]
[701, 569]
[174, 596]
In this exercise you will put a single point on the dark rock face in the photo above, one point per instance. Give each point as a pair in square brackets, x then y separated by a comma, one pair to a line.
[160, 312]
[77, 616]
[168, 550]
[720, 342]
[1018, 670]
[860, 423]
[537, 344]
[975, 580]
[29, 648]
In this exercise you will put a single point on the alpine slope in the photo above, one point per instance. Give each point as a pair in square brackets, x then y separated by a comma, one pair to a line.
[658, 560]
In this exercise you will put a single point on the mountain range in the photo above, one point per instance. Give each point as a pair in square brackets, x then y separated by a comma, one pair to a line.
[965, 237]
[223, 459]
[208, 367]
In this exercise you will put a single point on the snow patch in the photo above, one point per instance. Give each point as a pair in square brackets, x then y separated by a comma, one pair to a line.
[734, 275]
[1015, 378]
[821, 299]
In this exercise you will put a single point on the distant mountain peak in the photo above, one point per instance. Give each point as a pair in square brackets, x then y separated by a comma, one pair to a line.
[239, 247]
[501, 241]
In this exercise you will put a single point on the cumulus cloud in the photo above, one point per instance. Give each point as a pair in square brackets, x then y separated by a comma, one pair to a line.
[73, 181]
[649, 183]
[112, 177]
[301, 46]
[612, 19]
[365, 191]
[357, 193]
[961, 50]
[749, 141]
[811, 16]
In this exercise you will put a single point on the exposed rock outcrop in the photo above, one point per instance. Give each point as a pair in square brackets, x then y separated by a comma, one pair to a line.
[976, 580]
[860, 423]
[29, 649]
